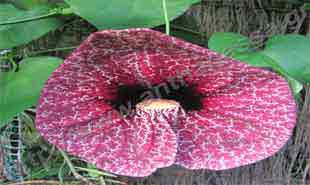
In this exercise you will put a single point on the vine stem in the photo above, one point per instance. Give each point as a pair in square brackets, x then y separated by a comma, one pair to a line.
[167, 24]
[51, 13]
[29, 19]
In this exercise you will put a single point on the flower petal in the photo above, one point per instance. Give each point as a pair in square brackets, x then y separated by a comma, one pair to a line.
[75, 113]
[125, 146]
[243, 122]
[248, 113]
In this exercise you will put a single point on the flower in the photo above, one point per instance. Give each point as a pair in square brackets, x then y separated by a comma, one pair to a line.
[132, 101]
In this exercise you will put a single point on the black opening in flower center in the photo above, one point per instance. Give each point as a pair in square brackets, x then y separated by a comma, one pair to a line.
[129, 96]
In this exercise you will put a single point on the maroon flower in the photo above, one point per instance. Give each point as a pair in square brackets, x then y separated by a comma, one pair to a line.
[108, 103]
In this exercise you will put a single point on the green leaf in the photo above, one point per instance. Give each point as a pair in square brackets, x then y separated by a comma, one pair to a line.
[229, 43]
[120, 14]
[295, 85]
[292, 53]
[13, 35]
[259, 59]
[28, 4]
[306, 7]
[20, 90]
[256, 59]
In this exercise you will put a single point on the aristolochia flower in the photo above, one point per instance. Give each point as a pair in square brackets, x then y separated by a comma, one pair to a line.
[132, 101]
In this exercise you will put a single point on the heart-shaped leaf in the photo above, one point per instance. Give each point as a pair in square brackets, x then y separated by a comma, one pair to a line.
[119, 14]
[291, 52]
[28, 4]
[20, 90]
[228, 43]
[13, 35]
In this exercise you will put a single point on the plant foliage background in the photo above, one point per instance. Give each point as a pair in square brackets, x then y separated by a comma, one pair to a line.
[36, 35]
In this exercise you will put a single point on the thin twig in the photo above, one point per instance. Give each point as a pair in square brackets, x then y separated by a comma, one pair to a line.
[186, 30]
[52, 50]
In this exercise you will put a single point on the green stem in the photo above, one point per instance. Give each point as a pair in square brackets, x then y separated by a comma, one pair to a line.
[166, 17]
[59, 11]
[29, 19]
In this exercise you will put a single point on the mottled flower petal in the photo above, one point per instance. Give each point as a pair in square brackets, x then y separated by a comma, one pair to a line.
[243, 122]
[248, 113]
